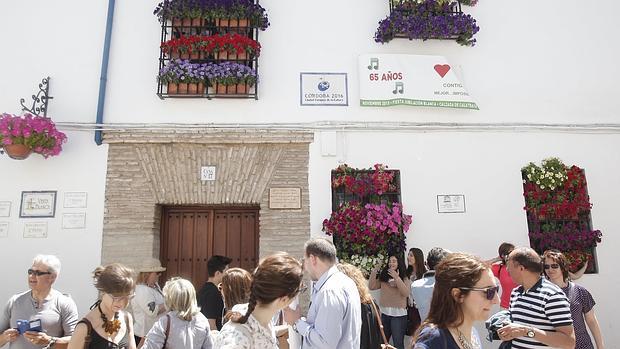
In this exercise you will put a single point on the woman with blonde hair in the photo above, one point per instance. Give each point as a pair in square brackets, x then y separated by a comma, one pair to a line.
[183, 326]
[581, 301]
[371, 329]
[464, 293]
[235, 287]
[108, 325]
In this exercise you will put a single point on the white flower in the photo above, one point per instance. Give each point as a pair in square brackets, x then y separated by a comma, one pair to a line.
[538, 182]
[552, 188]
[529, 177]
[542, 187]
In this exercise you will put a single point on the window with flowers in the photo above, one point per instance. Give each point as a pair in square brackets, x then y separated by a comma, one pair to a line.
[367, 221]
[209, 48]
[558, 209]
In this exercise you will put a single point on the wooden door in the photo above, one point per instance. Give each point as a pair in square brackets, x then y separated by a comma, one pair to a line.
[190, 235]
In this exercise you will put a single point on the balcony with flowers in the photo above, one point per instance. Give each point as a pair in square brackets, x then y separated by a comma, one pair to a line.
[367, 222]
[558, 209]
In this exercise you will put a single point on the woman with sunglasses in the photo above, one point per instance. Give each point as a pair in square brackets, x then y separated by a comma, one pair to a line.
[464, 293]
[275, 283]
[184, 326]
[148, 304]
[581, 301]
[108, 325]
[56, 313]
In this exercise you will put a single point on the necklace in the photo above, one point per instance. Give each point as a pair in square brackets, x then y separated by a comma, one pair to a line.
[110, 327]
[465, 343]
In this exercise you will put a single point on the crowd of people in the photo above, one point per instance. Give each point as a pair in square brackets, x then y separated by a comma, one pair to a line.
[541, 305]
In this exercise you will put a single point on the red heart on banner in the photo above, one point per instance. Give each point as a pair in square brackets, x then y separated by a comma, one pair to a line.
[442, 69]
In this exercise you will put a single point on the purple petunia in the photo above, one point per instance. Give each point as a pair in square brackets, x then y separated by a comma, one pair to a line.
[430, 19]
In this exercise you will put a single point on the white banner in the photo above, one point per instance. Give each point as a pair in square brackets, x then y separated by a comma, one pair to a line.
[391, 79]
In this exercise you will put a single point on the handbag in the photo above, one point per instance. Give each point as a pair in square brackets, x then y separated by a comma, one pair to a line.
[413, 319]
[386, 344]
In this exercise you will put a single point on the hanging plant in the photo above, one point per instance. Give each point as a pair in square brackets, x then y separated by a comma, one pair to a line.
[36, 133]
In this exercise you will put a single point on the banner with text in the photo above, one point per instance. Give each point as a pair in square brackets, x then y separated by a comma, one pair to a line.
[429, 81]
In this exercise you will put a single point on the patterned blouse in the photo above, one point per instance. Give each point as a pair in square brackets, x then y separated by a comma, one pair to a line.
[251, 335]
[581, 302]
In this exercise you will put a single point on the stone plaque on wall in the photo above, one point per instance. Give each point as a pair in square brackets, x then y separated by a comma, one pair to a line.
[284, 198]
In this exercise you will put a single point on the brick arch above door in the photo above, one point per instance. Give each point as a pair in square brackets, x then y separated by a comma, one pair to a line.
[147, 170]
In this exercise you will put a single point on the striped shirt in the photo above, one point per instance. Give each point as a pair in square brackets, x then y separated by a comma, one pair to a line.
[544, 306]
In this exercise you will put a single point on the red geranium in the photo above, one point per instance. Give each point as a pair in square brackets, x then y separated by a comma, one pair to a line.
[232, 43]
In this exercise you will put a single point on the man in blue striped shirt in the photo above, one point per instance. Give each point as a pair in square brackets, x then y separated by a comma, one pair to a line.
[334, 319]
[539, 310]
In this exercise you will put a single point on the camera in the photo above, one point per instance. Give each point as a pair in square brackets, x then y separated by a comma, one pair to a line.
[26, 325]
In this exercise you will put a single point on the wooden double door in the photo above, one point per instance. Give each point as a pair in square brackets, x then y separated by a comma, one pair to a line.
[190, 235]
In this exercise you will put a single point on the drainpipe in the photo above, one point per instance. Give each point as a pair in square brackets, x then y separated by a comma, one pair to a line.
[103, 80]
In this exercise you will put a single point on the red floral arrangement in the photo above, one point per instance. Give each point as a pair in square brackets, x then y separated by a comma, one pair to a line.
[232, 43]
[566, 201]
[558, 210]
[576, 259]
[377, 180]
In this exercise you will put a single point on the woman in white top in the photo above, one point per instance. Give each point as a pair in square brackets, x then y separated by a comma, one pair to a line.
[184, 326]
[148, 304]
[276, 281]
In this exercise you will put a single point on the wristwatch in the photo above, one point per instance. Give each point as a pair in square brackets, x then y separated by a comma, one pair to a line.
[530, 332]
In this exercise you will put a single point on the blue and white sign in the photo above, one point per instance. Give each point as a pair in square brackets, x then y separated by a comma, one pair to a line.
[323, 89]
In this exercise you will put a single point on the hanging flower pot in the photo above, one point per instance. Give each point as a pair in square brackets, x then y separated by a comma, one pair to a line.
[17, 151]
[22, 135]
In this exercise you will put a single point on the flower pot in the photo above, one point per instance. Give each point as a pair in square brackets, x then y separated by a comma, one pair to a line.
[228, 56]
[196, 88]
[238, 89]
[187, 22]
[17, 151]
[231, 22]
[173, 88]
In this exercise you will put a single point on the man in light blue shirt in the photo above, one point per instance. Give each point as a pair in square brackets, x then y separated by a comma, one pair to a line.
[334, 319]
[422, 289]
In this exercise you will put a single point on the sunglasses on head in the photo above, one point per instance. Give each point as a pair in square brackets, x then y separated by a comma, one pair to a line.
[490, 292]
[551, 266]
[38, 272]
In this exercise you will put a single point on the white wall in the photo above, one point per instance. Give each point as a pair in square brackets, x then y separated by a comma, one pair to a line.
[544, 63]
[485, 167]
[81, 167]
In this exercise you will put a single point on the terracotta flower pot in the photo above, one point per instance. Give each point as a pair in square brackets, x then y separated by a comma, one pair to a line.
[17, 151]
[238, 89]
[231, 22]
[173, 88]
[196, 88]
[225, 55]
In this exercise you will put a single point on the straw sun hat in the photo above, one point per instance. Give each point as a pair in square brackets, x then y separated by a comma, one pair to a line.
[152, 265]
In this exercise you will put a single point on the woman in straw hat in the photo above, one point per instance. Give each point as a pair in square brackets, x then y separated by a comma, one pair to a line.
[148, 304]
